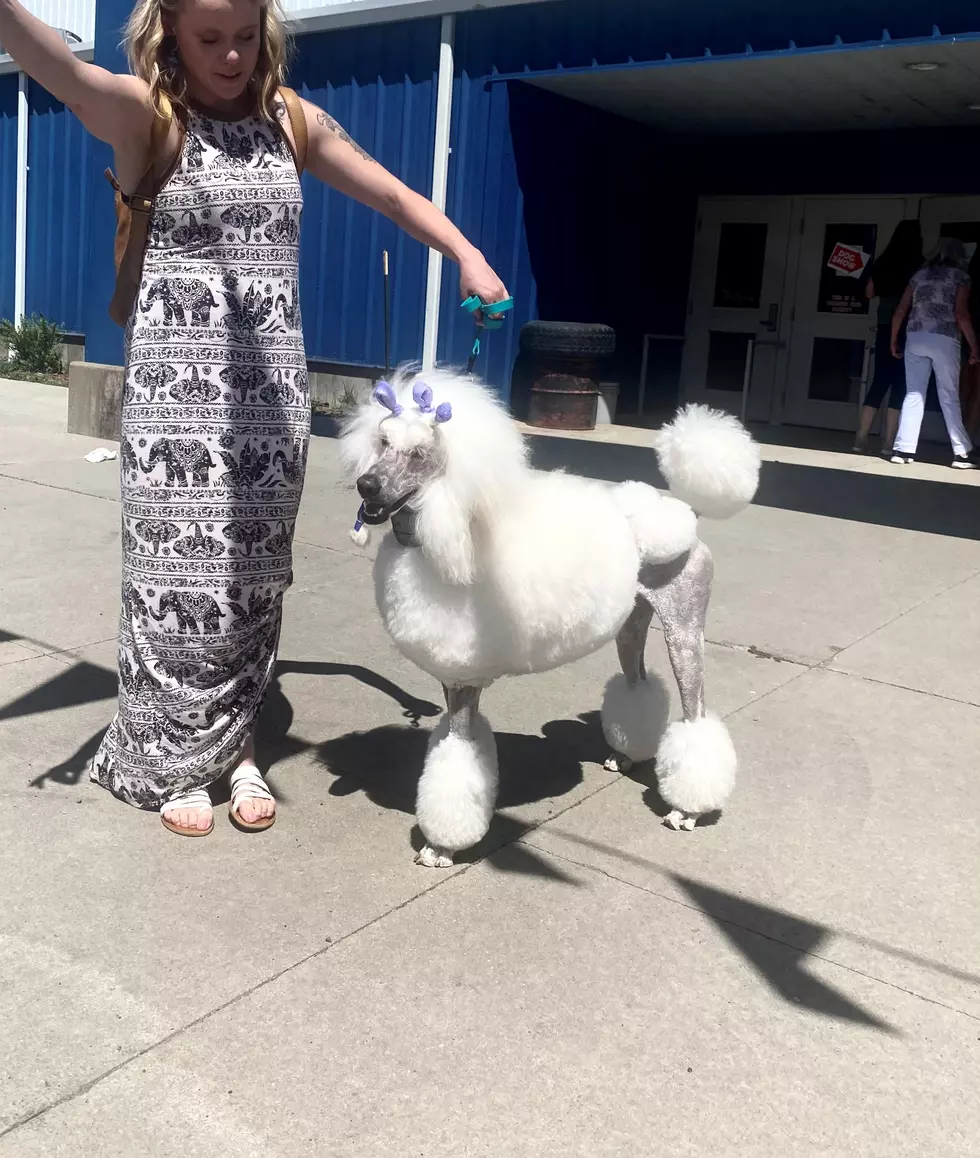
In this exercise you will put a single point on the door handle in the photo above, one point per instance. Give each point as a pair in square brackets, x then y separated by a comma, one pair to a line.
[771, 322]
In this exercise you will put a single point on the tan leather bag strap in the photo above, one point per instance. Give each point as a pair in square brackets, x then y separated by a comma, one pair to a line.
[133, 212]
[297, 122]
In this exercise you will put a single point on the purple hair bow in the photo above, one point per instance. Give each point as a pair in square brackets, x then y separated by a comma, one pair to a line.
[384, 394]
[423, 399]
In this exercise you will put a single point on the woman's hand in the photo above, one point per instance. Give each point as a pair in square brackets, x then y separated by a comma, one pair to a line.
[896, 352]
[975, 358]
[476, 277]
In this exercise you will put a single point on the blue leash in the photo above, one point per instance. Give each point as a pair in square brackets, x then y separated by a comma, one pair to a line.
[485, 317]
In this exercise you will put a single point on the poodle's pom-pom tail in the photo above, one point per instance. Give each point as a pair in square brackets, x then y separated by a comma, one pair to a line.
[634, 717]
[458, 788]
[696, 765]
[710, 461]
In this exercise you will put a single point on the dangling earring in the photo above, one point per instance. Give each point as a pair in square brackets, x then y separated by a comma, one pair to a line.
[173, 56]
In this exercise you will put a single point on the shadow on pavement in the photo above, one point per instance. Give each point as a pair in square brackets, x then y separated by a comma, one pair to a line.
[776, 943]
[886, 500]
[386, 762]
[86, 683]
[83, 683]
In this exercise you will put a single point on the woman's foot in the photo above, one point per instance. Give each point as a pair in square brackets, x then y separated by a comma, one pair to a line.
[189, 814]
[963, 462]
[900, 458]
[252, 805]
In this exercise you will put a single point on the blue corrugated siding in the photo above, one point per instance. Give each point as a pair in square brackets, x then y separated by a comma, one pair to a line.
[8, 191]
[103, 339]
[60, 172]
[380, 84]
[485, 201]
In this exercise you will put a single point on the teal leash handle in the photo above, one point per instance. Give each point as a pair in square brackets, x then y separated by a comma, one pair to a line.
[486, 317]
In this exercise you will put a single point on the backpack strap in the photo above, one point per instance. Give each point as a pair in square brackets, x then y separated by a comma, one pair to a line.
[297, 122]
[133, 212]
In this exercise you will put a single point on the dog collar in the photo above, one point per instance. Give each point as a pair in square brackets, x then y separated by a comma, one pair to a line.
[403, 523]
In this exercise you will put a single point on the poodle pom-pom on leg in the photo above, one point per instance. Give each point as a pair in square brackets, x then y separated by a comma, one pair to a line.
[696, 767]
[710, 461]
[633, 720]
[458, 789]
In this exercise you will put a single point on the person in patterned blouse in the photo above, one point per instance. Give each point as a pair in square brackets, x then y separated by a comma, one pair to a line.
[216, 412]
[937, 305]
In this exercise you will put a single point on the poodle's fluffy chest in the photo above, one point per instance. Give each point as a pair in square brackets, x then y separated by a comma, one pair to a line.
[556, 580]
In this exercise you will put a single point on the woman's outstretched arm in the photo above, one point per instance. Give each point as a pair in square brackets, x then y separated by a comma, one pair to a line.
[335, 158]
[113, 107]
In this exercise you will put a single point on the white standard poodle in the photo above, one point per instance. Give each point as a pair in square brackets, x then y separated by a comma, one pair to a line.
[493, 569]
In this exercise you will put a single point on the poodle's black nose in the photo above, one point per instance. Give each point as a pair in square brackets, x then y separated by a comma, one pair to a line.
[369, 486]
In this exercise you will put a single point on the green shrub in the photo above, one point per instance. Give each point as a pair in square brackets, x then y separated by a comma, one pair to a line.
[35, 345]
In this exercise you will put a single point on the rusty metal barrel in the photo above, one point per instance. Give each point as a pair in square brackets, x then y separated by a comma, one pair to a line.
[565, 359]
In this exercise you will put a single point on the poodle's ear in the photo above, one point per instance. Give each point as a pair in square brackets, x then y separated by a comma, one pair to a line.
[444, 533]
[359, 437]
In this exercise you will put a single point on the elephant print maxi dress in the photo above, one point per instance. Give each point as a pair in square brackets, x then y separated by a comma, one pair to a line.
[215, 430]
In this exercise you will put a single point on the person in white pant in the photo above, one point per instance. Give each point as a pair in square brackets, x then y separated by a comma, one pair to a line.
[937, 305]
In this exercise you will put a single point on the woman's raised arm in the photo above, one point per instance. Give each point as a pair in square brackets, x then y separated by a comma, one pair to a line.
[335, 158]
[113, 107]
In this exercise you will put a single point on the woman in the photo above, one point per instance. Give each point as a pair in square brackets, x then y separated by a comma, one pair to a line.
[936, 304]
[216, 410]
[889, 277]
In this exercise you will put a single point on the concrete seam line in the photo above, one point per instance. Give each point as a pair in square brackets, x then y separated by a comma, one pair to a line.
[903, 687]
[54, 487]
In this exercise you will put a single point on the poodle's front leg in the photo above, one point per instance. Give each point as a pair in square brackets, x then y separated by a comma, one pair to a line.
[458, 788]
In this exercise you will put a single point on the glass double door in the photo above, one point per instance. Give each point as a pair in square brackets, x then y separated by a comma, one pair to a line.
[791, 275]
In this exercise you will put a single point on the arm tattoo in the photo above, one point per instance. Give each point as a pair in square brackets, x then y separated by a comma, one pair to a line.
[327, 120]
[280, 109]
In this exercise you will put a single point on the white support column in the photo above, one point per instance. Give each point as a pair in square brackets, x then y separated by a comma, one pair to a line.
[440, 180]
[20, 234]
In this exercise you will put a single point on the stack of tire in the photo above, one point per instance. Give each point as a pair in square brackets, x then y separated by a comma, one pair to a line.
[556, 378]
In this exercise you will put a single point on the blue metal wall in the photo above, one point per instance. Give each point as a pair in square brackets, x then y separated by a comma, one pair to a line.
[485, 200]
[380, 84]
[60, 173]
[8, 191]
[103, 339]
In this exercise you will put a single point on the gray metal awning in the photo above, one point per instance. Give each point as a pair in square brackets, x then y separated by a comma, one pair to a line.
[884, 84]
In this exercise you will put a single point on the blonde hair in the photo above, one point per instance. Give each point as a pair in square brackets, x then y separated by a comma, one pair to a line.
[152, 54]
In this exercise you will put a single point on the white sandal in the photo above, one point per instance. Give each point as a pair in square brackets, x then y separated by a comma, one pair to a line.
[197, 798]
[247, 784]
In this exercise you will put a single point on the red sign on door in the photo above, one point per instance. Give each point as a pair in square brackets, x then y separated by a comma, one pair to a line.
[847, 260]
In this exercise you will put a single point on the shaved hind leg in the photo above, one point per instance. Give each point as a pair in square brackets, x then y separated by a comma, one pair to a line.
[696, 762]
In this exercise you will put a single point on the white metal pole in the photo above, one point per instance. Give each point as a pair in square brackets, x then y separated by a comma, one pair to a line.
[440, 181]
[641, 393]
[20, 246]
[747, 377]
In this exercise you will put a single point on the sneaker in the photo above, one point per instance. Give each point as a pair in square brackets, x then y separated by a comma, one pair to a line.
[900, 459]
[962, 462]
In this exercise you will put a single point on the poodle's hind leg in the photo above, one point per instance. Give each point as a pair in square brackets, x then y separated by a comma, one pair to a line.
[696, 760]
[634, 709]
[458, 789]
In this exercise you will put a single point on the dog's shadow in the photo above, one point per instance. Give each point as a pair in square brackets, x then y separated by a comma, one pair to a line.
[386, 762]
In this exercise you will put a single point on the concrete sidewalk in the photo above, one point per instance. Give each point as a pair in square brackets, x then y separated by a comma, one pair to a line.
[802, 977]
